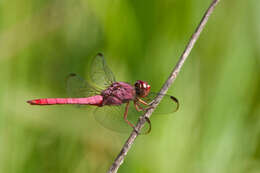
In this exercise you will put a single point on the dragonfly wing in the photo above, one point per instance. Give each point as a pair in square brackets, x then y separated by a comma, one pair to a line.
[112, 117]
[100, 73]
[77, 87]
[168, 104]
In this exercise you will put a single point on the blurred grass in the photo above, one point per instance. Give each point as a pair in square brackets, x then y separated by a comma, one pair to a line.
[217, 127]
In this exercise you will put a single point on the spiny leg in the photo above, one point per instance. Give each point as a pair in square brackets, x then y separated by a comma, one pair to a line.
[125, 117]
[144, 103]
[139, 108]
[149, 104]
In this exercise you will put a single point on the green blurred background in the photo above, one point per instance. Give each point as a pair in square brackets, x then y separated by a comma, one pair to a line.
[217, 128]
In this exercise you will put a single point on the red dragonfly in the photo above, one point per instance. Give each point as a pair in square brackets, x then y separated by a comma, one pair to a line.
[110, 96]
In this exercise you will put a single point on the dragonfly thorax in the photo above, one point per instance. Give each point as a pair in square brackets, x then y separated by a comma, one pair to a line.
[142, 88]
[118, 93]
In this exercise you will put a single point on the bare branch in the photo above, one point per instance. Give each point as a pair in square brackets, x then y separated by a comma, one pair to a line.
[120, 158]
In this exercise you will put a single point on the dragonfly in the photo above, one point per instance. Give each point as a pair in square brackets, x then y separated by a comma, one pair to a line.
[110, 97]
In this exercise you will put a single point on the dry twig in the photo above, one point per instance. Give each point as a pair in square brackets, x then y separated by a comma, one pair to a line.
[120, 158]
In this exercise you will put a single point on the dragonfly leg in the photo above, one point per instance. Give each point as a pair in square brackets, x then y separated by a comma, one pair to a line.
[138, 107]
[126, 120]
[149, 104]
[144, 103]
[150, 125]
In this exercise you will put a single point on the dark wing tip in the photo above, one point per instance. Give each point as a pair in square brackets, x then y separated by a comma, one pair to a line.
[99, 54]
[72, 74]
[176, 101]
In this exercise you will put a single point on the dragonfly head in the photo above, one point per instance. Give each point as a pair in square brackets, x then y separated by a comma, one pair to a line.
[142, 88]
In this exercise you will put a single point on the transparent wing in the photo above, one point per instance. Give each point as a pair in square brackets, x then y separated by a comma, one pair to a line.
[78, 87]
[112, 117]
[169, 104]
[100, 73]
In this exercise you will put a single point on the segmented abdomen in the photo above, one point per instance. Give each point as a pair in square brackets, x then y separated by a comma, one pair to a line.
[94, 100]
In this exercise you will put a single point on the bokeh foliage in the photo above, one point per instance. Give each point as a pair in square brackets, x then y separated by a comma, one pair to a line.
[217, 128]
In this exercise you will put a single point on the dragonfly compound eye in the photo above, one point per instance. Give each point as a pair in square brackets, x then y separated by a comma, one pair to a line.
[139, 84]
[142, 88]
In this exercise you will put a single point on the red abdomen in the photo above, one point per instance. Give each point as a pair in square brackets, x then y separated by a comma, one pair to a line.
[94, 100]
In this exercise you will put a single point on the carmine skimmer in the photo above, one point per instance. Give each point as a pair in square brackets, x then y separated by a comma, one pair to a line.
[113, 99]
